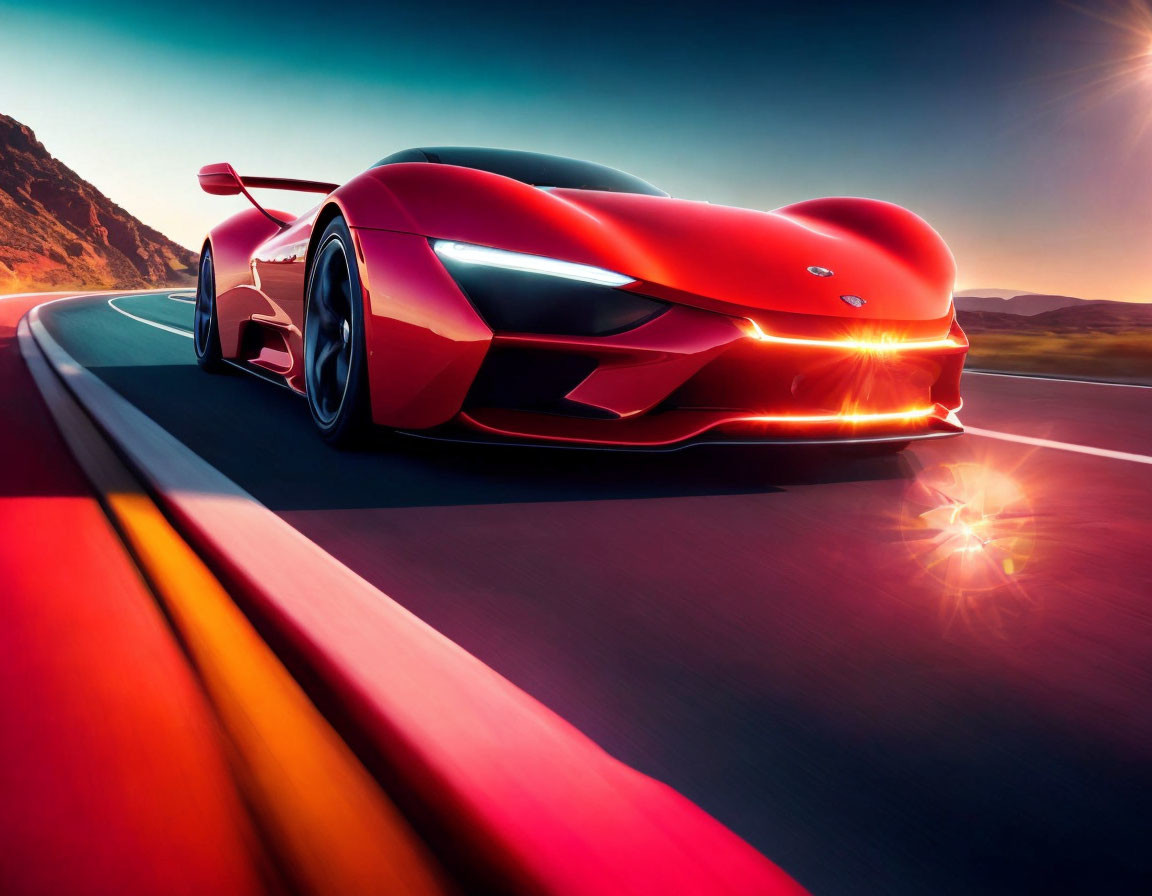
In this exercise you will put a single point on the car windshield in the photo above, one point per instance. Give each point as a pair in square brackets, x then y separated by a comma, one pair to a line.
[533, 168]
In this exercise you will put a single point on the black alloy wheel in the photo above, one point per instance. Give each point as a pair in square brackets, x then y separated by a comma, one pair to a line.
[334, 367]
[205, 326]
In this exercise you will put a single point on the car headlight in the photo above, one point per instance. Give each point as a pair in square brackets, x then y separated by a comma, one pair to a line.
[521, 293]
[468, 253]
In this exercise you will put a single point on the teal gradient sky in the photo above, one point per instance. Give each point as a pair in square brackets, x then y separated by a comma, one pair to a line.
[981, 117]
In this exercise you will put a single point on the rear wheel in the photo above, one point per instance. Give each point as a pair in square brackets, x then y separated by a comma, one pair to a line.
[205, 325]
[334, 365]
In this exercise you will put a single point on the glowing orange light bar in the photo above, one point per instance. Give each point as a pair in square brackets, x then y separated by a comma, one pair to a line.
[882, 345]
[915, 414]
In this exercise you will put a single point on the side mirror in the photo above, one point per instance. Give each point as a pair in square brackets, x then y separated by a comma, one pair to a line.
[220, 179]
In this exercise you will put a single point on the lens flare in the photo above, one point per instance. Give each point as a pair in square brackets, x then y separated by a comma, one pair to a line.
[972, 530]
[1127, 71]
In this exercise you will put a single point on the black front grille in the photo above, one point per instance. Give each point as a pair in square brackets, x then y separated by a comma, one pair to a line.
[533, 380]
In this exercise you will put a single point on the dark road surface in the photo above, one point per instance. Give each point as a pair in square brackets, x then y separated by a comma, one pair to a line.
[768, 632]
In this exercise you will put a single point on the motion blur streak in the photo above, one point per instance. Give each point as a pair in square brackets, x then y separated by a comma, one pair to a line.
[332, 828]
[335, 829]
[521, 800]
[113, 778]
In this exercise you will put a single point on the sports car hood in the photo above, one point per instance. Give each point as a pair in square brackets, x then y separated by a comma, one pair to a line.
[876, 251]
[732, 260]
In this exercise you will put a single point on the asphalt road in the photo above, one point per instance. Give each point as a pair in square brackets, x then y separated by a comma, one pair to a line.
[924, 674]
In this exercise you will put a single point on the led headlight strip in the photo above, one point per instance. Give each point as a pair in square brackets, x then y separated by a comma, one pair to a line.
[880, 345]
[914, 414]
[469, 253]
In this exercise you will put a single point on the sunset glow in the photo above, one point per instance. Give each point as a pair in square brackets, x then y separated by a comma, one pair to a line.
[1035, 167]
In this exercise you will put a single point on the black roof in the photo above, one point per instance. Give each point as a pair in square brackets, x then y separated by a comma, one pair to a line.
[535, 168]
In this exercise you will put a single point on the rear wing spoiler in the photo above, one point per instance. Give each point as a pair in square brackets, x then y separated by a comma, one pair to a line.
[221, 179]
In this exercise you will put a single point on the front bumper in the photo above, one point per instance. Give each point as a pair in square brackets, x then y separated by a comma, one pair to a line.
[692, 375]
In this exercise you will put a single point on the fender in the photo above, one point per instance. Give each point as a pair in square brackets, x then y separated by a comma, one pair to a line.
[232, 244]
[901, 233]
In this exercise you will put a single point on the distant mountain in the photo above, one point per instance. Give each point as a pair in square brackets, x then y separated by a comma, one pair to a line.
[1082, 317]
[997, 293]
[57, 231]
[1096, 316]
[1025, 303]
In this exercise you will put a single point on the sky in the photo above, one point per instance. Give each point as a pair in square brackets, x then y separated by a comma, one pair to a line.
[1015, 128]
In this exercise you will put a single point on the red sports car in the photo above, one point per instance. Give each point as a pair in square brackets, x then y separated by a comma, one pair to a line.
[496, 294]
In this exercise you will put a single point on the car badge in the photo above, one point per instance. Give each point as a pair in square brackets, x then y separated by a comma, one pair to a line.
[854, 301]
[819, 271]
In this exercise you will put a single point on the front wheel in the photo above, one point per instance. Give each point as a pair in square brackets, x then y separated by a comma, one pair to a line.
[334, 364]
[205, 323]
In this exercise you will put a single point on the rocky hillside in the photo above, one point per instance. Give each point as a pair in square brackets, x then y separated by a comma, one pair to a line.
[57, 231]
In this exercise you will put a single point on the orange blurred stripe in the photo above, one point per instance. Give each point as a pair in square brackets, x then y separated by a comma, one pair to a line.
[334, 829]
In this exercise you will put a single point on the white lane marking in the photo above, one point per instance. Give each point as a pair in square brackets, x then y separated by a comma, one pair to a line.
[971, 430]
[112, 304]
[1059, 446]
[29, 295]
[1055, 379]
[186, 299]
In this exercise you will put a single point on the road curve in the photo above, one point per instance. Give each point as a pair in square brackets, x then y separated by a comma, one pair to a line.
[793, 640]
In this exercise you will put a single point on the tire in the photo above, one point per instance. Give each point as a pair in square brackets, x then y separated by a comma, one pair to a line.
[206, 326]
[335, 370]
